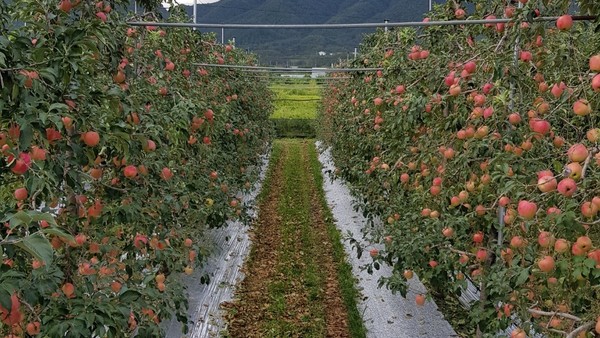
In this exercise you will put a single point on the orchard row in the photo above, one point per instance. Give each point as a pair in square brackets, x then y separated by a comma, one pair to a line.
[478, 145]
[117, 154]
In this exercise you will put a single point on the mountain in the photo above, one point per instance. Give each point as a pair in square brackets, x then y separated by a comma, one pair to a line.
[301, 47]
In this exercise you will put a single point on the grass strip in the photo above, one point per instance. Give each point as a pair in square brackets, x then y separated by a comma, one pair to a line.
[345, 275]
[296, 100]
[298, 283]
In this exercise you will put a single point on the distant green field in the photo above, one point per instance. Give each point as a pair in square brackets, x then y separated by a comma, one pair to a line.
[296, 99]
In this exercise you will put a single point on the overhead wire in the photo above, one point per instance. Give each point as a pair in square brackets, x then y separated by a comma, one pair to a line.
[287, 69]
[351, 25]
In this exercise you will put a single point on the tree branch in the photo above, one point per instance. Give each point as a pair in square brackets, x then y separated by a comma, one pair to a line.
[552, 314]
[580, 329]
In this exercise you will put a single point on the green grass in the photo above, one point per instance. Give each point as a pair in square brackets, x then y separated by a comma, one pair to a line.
[299, 272]
[345, 276]
[294, 128]
[301, 251]
[296, 99]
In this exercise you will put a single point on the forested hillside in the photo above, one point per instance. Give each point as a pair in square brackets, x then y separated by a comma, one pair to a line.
[301, 47]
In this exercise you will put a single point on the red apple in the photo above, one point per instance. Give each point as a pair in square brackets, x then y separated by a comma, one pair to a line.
[65, 6]
[514, 118]
[517, 242]
[503, 201]
[596, 201]
[539, 126]
[593, 135]
[561, 245]
[404, 178]
[166, 174]
[518, 332]
[546, 264]
[149, 146]
[547, 183]
[567, 187]
[374, 252]
[584, 242]
[481, 255]
[574, 170]
[20, 194]
[545, 239]
[589, 209]
[564, 22]
[130, 171]
[556, 90]
[596, 83]
[420, 300]
[470, 67]
[595, 255]
[577, 251]
[448, 232]
[487, 88]
[101, 16]
[90, 138]
[525, 56]
[454, 90]
[68, 289]
[595, 63]
[578, 153]
[582, 107]
[526, 209]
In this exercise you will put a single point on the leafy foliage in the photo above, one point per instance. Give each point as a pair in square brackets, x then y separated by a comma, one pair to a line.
[121, 153]
[429, 146]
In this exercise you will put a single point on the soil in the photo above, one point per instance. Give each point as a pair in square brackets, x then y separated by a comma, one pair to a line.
[276, 249]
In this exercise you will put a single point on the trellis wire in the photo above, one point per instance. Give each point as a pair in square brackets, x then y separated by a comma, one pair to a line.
[351, 25]
[287, 69]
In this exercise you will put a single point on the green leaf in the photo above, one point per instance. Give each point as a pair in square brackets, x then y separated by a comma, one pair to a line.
[26, 136]
[49, 74]
[5, 300]
[38, 246]
[522, 277]
[58, 106]
[58, 232]
[17, 219]
[590, 263]
[129, 296]
[37, 216]
[28, 217]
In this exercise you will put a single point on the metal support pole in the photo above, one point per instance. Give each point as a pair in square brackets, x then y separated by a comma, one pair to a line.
[135, 7]
[195, 13]
[385, 28]
[511, 104]
[222, 35]
[511, 107]
[430, 5]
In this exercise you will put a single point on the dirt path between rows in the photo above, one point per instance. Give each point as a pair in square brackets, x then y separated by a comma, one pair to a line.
[291, 288]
